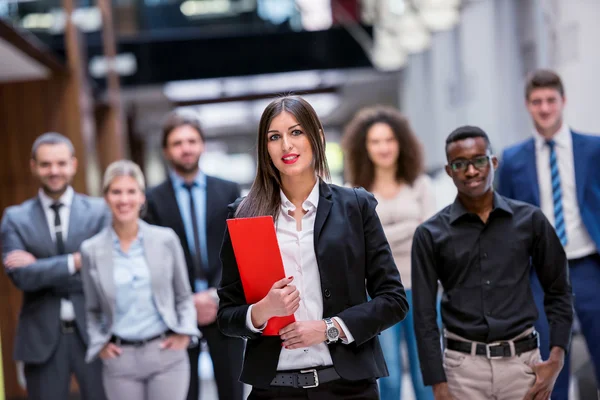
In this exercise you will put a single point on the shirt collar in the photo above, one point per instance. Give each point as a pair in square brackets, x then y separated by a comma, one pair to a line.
[199, 180]
[66, 199]
[117, 242]
[561, 139]
[457, 210]
[311, 202]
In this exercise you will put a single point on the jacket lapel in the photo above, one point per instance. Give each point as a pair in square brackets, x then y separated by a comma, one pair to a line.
[76, 224]
[579, 164]
[105, 268]
[39, 216]
[171, 209]
[323, 209]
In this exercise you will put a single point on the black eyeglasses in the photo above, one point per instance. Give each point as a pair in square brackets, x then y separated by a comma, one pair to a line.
[479, 163]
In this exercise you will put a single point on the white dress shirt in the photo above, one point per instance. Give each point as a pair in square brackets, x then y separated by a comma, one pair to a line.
[67, 312]
[300, 261]
[579, 243]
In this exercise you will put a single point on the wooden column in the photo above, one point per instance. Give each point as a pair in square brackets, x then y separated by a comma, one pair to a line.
[59, 103]
[110, 127]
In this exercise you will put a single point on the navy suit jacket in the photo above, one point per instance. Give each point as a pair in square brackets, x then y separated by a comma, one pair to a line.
[163, 210]
[518, 179]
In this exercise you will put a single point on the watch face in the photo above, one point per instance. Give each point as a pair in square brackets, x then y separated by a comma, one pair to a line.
[333, 332]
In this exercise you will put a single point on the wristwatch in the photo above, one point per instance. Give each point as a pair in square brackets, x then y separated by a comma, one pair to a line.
[332, 334]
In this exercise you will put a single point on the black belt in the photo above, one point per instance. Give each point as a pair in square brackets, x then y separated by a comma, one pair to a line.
[126, 342]
[306, 378]
[496, 350]
[67, 326]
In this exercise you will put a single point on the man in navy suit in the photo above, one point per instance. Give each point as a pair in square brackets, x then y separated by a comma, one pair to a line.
[557, 171]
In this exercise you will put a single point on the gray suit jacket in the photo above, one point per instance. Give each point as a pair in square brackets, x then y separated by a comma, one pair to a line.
[25, 227]
[168, 274]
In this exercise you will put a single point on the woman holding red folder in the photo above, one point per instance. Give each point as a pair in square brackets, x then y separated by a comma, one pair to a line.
[334, 253]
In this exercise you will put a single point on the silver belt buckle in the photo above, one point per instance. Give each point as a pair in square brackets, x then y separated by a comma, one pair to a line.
[488, 352]
[315, 375]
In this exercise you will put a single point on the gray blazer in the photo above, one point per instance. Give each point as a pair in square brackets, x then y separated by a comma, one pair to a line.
[25, 227]
[168, 274]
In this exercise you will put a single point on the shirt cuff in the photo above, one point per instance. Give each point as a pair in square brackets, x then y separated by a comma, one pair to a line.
[249, 323]
[71, 264]
[349, 338]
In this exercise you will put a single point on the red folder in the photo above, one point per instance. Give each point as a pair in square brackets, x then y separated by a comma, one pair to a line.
[259, 262]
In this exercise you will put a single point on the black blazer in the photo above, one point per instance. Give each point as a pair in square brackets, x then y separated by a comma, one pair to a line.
[162, 209]
[350, 246]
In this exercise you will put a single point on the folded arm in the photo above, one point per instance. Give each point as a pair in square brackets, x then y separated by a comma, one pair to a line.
[43, 273]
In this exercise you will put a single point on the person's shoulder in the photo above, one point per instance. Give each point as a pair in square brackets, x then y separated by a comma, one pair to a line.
[91, 201]
[437, 220]
[221, 182]
[159, 232]
[516, 149]
[521, 208]
[351, 194]
[97, 240]
[23, 208]
[158, 188]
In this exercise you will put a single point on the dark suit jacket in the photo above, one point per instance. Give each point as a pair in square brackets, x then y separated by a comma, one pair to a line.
[163, 210]
[518, 178]
[350, 246]
[47, 280]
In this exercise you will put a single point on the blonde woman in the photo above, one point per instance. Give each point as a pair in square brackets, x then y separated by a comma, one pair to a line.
[140, 314]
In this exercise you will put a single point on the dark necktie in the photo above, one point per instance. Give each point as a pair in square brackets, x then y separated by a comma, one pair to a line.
[60, 244]
[559, 218]
[196, 254]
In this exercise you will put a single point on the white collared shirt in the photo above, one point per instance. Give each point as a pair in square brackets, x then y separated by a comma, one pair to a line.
[300, 261]
[67, 312]
[579, 242]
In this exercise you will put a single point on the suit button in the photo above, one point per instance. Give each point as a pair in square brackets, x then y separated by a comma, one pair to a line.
[327, 293]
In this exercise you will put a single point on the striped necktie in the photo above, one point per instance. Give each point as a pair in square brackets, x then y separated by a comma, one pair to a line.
[559, 217]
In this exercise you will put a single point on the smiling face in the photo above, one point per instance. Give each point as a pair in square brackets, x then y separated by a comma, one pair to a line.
[183, 148]
[54, 165]
[289, 147]
[125, 199]
[471, 166]
[546, 105]
[382, 146]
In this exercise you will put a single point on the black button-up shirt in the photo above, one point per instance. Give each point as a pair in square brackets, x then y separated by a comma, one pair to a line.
[485, 270]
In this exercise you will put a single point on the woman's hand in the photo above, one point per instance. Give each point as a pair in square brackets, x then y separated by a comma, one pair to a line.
[283, 299]
[176, 342]
[303, 334]
[109, 351]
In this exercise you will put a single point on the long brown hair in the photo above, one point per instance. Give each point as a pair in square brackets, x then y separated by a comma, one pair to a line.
[263, 198]
[360, 169]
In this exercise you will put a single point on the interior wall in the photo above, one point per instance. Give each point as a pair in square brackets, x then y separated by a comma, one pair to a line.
[29, 109]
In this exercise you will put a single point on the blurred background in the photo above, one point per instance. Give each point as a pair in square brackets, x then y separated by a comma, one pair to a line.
[105, 72]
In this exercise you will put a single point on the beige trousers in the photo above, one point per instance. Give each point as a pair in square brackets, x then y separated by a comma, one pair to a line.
[472, 377]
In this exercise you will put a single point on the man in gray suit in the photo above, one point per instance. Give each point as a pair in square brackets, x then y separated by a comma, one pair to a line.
[40, 250]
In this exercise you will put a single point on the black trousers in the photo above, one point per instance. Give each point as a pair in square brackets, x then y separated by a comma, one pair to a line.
[51, 380]
[227, 354]
[340, 389]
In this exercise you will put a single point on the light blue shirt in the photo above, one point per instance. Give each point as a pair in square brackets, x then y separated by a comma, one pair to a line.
[137, 317]
[183, 201]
